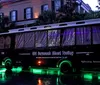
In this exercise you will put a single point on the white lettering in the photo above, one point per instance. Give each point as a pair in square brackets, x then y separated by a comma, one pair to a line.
[84, 52]
[44, 53]
[34, 53]
[56, 53]
[24, 53]
[86, 61]
[67, 53]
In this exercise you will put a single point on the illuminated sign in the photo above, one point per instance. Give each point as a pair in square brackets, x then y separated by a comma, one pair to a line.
[68, 53]
[44, 53]
[84, 52]
[53, 53]
[24, 54]
[56, 53]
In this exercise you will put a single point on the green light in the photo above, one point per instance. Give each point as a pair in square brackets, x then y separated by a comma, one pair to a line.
[6, 60]
[59, 73]
[57, 81]
[2, 70]
[48, 71]
[65, 61]
[3, 64]
[17, 70]
[52, 71]
[88, 76]
[3, 76]
[37, 71]
[59, 65]
[98, 76]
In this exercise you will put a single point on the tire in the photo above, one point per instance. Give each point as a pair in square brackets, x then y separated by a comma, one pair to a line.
[65, 67]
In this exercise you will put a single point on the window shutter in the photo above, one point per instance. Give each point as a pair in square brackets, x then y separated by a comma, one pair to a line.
[24, 13]
[62, 3]
[41, 8]
[53, 6]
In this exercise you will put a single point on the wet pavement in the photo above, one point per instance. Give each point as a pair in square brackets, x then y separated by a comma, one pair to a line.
[26, 78]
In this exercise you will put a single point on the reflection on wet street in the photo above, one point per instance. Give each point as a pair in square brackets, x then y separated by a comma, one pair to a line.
[26, 78]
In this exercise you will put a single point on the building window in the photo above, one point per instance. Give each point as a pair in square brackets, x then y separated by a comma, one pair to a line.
[28, 13]
[13, 15]
[57, 4]
[82, 10]
[44, 7]
[1, 16]
[76, 9]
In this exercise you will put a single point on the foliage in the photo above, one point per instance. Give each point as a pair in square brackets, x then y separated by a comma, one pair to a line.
[3, 21]
[5, 25]
[46, 17]
[68, 7]
[92, 15]
[78, 16]
[98, 6]
[66, 12]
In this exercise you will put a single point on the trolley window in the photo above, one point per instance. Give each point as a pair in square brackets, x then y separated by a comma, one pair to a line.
[41, 39]
[83, 35]
[19, 40]
[96, 34]
[53, 38]
[68, 37]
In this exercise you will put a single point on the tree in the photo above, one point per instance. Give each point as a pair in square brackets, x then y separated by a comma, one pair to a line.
[46, 17]
[98, 6]
[92, 15]
[78, 16]
[5, 24]
[66, 12]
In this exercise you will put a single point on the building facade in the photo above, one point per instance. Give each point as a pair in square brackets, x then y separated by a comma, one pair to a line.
[82, 7]
[28, 10]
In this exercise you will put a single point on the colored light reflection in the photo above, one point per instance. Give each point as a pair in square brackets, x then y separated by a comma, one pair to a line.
[48, 71]
[88, 76]
[57, 81]
[17, 70]
[40, 82]
[3, 76]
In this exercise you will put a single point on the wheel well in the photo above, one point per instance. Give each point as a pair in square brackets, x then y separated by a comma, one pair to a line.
[60, 62]
[6, 60]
